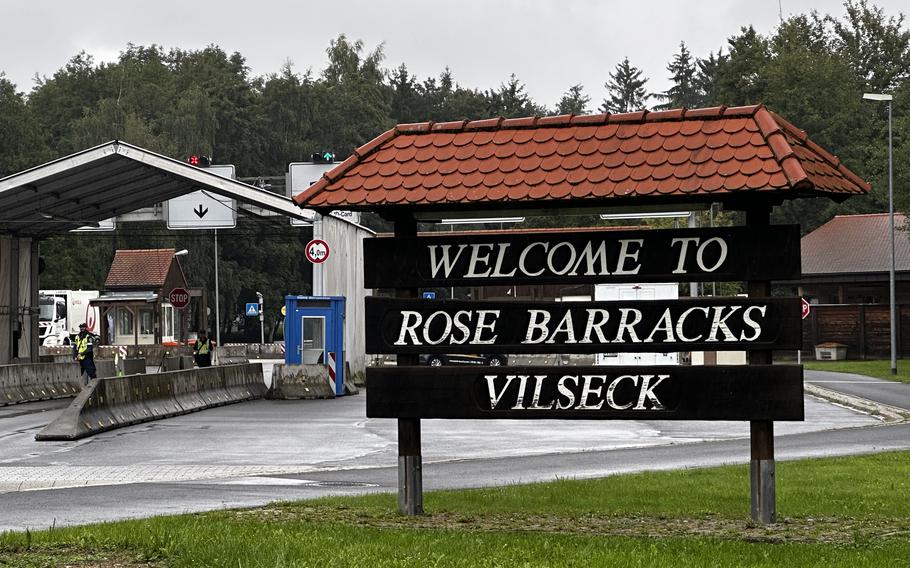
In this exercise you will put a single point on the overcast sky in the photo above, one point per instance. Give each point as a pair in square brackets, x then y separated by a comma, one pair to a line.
[548, 44]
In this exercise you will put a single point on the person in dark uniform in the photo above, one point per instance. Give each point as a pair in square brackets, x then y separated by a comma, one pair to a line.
[202, 351]
[84, 352]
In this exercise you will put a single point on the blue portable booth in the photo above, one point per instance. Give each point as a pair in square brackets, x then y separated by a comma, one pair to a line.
[314, 334]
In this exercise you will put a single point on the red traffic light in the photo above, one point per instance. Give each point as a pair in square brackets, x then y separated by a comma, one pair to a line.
[199, 161]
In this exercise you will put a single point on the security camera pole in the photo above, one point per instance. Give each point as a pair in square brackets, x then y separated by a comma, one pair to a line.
[261, 319]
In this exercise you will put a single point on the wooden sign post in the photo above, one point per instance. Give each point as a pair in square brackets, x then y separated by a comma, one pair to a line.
[407, 326]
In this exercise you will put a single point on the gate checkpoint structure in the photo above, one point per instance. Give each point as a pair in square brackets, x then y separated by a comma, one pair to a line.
[745, 158]
[83, 189]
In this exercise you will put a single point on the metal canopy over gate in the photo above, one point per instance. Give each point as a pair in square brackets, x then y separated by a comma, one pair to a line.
[110, 180]
[82, 190]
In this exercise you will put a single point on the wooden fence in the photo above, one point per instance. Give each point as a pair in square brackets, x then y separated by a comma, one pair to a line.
[864, 328]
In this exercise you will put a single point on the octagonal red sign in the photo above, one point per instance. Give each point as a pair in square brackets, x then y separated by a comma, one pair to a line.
[179, 298]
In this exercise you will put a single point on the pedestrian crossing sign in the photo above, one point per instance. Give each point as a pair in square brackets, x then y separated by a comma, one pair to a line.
[252, 310]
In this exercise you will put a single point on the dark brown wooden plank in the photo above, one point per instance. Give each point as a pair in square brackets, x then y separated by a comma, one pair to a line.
[753, 392]
[673, 255]
[463, 326]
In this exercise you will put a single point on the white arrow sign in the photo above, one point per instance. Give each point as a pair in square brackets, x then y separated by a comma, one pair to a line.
[203, 209]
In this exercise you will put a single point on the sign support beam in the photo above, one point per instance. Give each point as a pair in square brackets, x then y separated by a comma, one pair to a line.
[761, 435]
[410, 467]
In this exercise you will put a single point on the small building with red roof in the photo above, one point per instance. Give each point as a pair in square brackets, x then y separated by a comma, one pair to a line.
[134, 304]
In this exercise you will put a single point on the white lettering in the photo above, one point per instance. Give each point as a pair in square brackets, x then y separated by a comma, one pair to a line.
[460, 326]
[568, 265]
[482, 325]
[445, 332]
[682, 321]
[594, 326]
[565, 326]
[625, 326]
[535, 402]
[591, 259]
[683, 250]
[523, 256]
[700, 257]
[648, 392]
[756, 327]
[500, 256]
[624, 254]
[587, 390]
[477, 261]
[566, 392]
[611, 400]
[520, 399]
[665, 325]
[491, 388]
[408, 326]
[444, 262]
[719, 323]
[538, 322]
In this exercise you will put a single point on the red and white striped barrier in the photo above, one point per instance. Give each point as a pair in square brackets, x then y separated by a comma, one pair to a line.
[332, 371]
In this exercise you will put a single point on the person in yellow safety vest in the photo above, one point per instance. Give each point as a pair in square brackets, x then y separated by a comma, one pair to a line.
[84, 351]
[202, 351]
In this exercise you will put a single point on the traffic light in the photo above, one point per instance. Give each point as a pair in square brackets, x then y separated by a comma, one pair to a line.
[199, 161]
[323, 157]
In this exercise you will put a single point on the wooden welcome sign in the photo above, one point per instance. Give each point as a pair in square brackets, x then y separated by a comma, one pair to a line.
[411, 326]
[673, 255]
[734, 392]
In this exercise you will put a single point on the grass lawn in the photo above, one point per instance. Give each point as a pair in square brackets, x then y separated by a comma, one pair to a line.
[850, 512]
[880, 368]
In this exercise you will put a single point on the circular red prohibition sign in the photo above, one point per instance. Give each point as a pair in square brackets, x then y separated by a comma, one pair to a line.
[317, 251]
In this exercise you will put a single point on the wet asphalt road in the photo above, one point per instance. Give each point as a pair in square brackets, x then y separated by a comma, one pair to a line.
[254, 453]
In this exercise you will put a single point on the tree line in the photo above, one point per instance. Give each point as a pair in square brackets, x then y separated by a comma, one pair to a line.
[812, 69]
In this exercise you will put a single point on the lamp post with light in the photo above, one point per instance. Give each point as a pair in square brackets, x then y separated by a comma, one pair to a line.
[888, 98]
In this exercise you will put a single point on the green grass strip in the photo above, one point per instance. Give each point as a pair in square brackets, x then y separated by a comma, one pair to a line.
[880, 368]
[850, 512]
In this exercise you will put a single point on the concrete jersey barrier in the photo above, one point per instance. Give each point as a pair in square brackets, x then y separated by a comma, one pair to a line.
[110, 403]
[291, 382]
[38, 381]
[29, 382]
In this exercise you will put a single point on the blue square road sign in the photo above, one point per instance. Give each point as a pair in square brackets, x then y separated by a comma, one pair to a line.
[252, 310]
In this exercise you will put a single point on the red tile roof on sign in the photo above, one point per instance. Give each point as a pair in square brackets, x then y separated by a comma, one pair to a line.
[856, 244]
[144, 268]
[720, 151]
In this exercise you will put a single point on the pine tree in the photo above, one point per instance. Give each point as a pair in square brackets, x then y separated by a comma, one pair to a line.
[574, 101]
[684, 92]
[626, 89]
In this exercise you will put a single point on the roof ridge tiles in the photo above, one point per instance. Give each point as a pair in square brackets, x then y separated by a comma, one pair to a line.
[667, 114]
[484, 124]
[744, 110]
[634, 116]
[413, 128]
[590, 119]
[707, 112]
[557, 120]
[523, 122]
[453, 126]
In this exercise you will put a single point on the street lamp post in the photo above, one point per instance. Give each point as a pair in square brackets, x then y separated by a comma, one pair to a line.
[261, 320]
[888, 98]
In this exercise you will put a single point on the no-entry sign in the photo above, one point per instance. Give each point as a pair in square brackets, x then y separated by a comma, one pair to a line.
[179, 298]
[317, 251]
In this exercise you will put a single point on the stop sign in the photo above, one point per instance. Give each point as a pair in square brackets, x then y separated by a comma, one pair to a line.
[179, 298]
[805, 312]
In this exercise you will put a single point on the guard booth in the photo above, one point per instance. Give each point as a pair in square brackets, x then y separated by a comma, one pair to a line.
[314, 334]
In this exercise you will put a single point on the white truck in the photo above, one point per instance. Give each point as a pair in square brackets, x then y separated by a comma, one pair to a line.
[61, 312]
